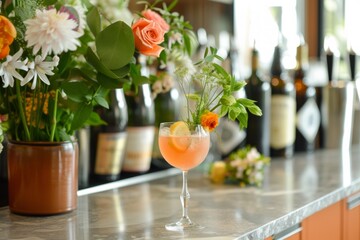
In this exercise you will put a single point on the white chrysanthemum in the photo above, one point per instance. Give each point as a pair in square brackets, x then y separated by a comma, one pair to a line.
[52, 32]
[40, 68]
[8, 69]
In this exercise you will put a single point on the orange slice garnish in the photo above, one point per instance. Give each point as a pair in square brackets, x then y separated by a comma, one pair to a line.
[180, 135]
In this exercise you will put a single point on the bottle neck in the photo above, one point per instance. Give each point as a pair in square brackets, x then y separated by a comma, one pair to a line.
[254, 62]
[301, 58]
[276, 68]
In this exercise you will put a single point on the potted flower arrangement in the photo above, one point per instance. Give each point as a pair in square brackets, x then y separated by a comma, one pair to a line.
[57, 61]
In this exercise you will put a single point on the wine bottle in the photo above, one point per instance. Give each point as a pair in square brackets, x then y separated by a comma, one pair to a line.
[283, 110]
[307, 110]
[258, 130]
[108, 141]
[141, 131]
[167, 109]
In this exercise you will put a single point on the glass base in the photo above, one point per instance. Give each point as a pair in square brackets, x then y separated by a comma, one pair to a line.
[183, 224]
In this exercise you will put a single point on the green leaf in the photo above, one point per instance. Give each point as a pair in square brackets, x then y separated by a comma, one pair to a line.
[255, 110]
[239, 85]
[95, 120]
[97, 64]
[227, 100]
[76, 91]
[94, 21]
[122, 72]
[111, 83]
[246, 102]
[190, 42]
[49, 2]
[223, 111]
[234, 113]
[193, 96]
[221, 70]
[81, 115]
[243, 120]
[172, 5]
[115, 45]
[101, 101]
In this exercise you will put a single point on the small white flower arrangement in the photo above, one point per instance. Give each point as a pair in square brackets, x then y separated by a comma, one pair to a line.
[244, 167]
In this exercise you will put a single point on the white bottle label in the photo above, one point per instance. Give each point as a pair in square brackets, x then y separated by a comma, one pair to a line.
[231, 136]
[109, 153]
[139, 147]
[308, 120]
[283, 111]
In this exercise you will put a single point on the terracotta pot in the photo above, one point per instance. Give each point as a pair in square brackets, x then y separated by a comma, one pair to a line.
[43, 177]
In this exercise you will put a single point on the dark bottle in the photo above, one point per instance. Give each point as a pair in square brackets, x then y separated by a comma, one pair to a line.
[258, 130]
[307, 110]
[141, 131]
[283, 110]
[108, 141]
[167, 109]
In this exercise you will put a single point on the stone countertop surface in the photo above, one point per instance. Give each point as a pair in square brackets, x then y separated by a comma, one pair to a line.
[293, 189]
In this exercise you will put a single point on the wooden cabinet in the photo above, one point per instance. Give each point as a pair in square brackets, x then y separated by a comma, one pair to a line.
[325, 224]
[351, 220]
[291, 233]
[340, 221]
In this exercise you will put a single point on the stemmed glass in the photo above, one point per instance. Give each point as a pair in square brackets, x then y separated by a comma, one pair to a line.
[184, 149]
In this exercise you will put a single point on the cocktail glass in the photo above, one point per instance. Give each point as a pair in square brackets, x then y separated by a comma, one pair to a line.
[183, 149]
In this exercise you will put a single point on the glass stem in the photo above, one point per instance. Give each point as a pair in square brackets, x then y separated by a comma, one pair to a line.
[185, 196]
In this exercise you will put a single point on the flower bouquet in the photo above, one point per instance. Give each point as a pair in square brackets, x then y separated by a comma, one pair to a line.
[244, 167]
[57, 62]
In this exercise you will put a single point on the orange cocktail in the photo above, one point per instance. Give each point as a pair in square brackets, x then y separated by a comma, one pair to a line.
[184, 148]
[189, 154]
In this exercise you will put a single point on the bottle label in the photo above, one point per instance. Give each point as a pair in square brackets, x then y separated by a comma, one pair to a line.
[109, 153]
[139, 148]
[282, 129]
[231, 136]
[308, 120]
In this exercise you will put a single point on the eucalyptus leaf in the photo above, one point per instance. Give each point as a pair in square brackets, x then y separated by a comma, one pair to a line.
[97, 64]
[115, 45]
[122, 72]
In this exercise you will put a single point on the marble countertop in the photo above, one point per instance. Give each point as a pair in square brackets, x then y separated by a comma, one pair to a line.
[293, 189]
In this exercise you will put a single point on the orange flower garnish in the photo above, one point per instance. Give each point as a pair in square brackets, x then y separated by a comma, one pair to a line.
[209, 121]
[7, 35]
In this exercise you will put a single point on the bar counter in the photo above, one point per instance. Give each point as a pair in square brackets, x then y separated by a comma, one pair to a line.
[138, 208]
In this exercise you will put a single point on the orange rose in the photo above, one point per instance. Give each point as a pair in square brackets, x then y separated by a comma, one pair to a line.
[7, 35]
[148, 35]
[209, 121]
[153, 16]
